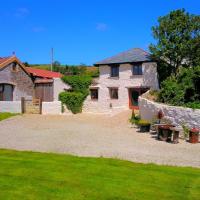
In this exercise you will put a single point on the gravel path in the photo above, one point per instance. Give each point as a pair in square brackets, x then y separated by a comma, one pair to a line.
[93, 135]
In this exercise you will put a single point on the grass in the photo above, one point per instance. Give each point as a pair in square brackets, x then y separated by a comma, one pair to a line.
[26, 175]
[6, 115]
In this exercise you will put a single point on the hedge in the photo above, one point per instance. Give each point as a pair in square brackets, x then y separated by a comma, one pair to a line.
[79, 85]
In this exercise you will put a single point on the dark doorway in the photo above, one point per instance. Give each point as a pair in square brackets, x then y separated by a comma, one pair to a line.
[134, 94]
[134, 97]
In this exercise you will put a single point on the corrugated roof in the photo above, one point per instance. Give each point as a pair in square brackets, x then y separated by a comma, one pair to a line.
[43, 73]
[130, 56]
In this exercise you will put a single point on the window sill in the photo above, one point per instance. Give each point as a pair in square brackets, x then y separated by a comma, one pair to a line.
[114, 77]
[95, 100]
[136, 76]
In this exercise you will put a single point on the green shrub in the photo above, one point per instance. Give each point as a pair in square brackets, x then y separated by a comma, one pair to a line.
[182, 90]
[73, 100]
[193, 105]
[134, 119]
[78, 83]
[171, 92]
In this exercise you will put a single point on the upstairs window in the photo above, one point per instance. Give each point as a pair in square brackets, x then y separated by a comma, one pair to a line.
[14, 67]
[94, 94]
[114, 70]
[113, 93]
[137, 70]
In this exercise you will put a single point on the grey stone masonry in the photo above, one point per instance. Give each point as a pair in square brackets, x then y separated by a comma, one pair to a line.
[21, 81]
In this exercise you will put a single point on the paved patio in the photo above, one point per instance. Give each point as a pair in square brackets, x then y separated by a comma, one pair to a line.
[95, 136]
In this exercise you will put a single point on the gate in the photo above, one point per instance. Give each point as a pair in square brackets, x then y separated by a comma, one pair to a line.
[31, 106]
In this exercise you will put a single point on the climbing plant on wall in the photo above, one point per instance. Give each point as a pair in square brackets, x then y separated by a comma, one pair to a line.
[79, 91]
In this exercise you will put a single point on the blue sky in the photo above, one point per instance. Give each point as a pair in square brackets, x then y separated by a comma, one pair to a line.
[80, 31]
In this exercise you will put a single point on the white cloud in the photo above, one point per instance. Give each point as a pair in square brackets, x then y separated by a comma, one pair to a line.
[101, 26]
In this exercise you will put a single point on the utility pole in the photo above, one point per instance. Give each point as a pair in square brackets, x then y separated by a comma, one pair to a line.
[52, 59]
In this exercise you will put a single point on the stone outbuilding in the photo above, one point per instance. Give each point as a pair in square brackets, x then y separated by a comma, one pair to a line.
[17, 81]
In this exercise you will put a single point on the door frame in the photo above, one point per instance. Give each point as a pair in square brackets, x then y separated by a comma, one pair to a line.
[140, 91]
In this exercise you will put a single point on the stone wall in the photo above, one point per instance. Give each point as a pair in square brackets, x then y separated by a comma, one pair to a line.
[22, 82]
[51, 108]
[125, 81]
[179, 115]
[10, 106]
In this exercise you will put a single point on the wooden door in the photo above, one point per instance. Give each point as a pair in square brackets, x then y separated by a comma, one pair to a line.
[44, 91]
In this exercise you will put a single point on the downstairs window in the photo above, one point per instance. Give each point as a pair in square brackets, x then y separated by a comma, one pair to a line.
[113, 93]
[6, 92]
[94, 94]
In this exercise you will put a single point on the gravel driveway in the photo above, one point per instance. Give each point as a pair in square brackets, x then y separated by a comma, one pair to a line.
[93, 135]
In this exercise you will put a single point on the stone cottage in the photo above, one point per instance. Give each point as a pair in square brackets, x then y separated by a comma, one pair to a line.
[123, 78]
[17, 81]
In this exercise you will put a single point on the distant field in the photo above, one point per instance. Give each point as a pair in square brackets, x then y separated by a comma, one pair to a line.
[90, 70]
[46, 67]
[26, 175]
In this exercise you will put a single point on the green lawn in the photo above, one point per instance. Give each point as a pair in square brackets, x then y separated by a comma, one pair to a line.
[6, 115]
[26, 175]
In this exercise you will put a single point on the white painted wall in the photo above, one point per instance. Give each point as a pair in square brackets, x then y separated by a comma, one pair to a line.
[51, 108]
[125, 81]
[10, 106]
[59, 86]
[180, 115]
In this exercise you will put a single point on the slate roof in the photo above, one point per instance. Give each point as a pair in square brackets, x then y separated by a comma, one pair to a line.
[130, 56]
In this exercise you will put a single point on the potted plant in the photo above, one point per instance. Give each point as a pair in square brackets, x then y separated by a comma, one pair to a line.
[144, 125]
[186, 131]
[194, 136]
[134, 119]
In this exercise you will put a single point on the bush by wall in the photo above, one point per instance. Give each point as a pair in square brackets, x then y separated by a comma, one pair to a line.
[182, 90]
[78, 83]
[74, 100]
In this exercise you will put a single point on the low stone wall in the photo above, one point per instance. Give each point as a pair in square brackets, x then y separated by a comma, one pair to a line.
[51, 108]
[180, 115]
[10, 106]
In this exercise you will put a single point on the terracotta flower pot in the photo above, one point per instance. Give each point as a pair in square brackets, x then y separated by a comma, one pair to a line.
[194, 136]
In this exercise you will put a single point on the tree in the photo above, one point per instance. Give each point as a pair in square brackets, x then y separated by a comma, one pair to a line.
[178, 42]
[26, 64]
[56, 63]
